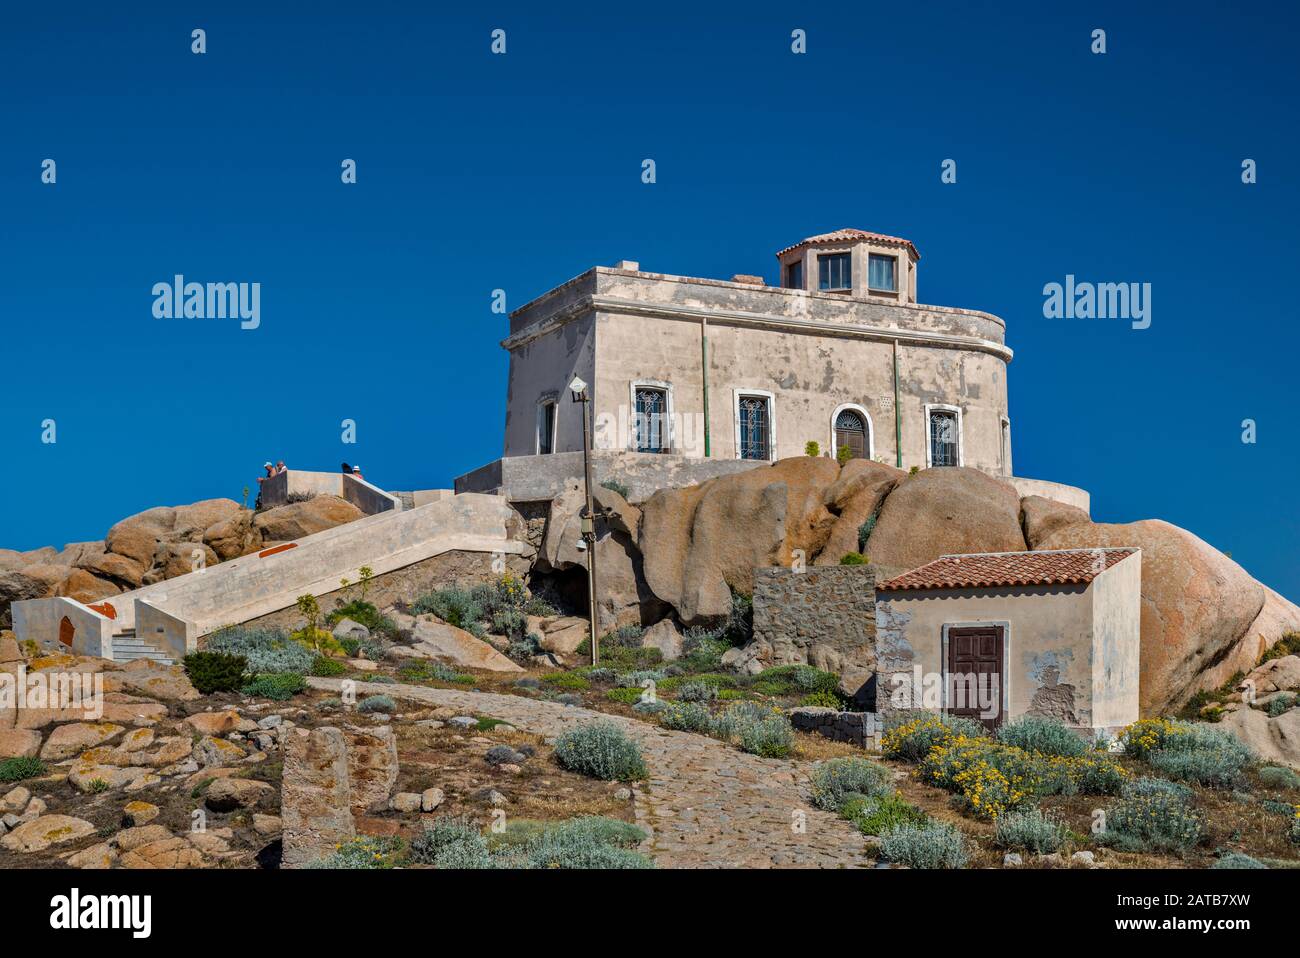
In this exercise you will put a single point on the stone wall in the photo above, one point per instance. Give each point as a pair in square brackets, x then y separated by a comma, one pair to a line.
[824, 616]
[858, 728]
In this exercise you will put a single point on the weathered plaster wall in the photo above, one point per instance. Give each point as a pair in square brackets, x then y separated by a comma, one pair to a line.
[1048, 643]
[1116, 623]
[544, 366]
[813, 351]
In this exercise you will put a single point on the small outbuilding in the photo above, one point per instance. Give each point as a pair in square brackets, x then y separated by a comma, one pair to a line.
[994, 636]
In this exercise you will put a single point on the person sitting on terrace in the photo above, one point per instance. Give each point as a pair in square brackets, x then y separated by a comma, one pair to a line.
[281, 467]
[356, 471]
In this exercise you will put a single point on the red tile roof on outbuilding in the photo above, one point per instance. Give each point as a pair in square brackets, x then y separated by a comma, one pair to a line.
[995, 569]
[849, 236]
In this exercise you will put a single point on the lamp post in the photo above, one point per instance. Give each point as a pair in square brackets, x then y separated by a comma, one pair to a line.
[578, 392]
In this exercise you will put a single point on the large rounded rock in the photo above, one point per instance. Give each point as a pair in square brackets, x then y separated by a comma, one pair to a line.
[701, 542]
[137, 536]
[298, 519]
[1197, 604]
[116, 568]
[233, 537]
[853, 498]
[944, 511]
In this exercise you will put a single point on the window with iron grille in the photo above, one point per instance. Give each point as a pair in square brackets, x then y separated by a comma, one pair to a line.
[851, 434]
[650, 425]
[755, 427]
[943, 439]
[546, 428]
[833, 271]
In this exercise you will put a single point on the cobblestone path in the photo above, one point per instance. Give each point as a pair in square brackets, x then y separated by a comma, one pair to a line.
[706, 804]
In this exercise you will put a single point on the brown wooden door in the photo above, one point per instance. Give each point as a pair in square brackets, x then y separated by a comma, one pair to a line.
[851, 433]
[975, 673]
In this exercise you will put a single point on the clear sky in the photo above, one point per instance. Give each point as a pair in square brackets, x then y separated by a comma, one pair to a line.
[478, 171]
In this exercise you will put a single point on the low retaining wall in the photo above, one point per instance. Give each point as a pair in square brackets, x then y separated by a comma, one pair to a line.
[1056, 491]
[857, 728]
[530, 478]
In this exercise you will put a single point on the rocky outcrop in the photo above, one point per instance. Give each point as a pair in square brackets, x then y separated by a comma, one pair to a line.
[854, 498]
[298, 519]
[1197, 604]
[701, 542]
[435, 639]
[944, 512]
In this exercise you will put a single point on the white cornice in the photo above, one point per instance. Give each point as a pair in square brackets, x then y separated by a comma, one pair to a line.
[613, 304]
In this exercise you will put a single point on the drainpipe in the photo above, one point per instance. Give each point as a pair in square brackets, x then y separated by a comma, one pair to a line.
[898, 415]
[704, 379]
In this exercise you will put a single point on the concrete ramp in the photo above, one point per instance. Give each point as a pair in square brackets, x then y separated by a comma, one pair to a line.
[169, 617]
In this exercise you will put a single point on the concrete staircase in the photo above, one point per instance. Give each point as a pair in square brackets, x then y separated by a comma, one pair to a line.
[127, 647]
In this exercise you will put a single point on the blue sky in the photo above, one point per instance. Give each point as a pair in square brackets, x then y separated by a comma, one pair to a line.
[478, 172]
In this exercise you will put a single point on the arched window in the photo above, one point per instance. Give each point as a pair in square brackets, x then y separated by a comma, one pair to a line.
[851, 429]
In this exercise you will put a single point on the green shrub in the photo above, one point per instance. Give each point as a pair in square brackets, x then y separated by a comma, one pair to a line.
[1155, 821]
[567, 680]
[854, 558]
[740, 624]
[377, 703]
[865, 530]
[602, 750]
[451, 843]
[1036, 733]
[455, 606]
[825, 700]
[579, 846]
[211, 672]
[363, 852]
[326, 667]
[874, 816]
[277, 686]
[365, 613]
[1238, 860]
[613, 485]
[625, 695]
[265, 650]
[812, 448]
[756, 728]
[843, 454]
[911, 735]
[1289, 644]
[794, 680]
[1146, 786]
[1203, 754]
[702, 649]
[426, 670]
[837, 778]
[686, 717]
[1031, 830]
[598, 828]
[931, 845]
[1281, 704]
[697, 692]
[1278, 776]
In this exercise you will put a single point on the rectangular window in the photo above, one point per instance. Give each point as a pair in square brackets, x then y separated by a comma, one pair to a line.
[650, 425]
[546, 428]
[755, 427]
[794, 275]
[943, 439]
[881, 273]
[833, 271]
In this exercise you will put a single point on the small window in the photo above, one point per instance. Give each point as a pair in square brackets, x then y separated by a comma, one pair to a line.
[650, 426]
[943, 439]
[833, 271]
[794, 275]
[755, 426]
[546, 428]
[881, 273]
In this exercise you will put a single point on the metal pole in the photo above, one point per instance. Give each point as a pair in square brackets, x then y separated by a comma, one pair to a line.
[704, 380]
[589, 529]
[898, 415]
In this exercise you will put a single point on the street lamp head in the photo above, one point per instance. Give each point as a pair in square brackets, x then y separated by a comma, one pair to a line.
[578, 388]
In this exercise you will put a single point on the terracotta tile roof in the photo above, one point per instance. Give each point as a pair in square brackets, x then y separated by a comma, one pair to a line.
[848, 236]
[992, 569]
